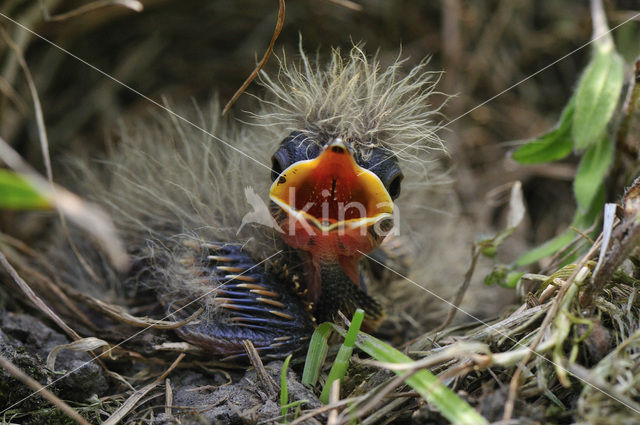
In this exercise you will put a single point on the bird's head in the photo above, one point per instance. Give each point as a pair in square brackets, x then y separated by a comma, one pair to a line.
[333, 199]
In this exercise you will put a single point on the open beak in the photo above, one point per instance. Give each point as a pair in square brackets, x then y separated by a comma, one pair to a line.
[333, 193]
[332, 208]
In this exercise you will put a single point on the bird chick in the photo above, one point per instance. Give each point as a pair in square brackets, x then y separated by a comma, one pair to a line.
[175, 192]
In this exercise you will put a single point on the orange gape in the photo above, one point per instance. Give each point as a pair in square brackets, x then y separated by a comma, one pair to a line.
[335, 211]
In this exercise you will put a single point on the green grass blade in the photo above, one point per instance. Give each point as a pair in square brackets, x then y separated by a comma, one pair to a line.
[284, 389]
[317, 352]
[17, 193]
[452, 407]
[341, 363]
[356, 322]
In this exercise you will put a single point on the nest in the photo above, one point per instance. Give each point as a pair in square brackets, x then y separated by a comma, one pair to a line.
[581, 320]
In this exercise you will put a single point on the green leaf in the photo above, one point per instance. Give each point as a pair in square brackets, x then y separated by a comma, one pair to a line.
[596, 97]
[504, 276]
[17, 193]
[488, 249]
[546, 249]
[512, 280]
[453, 408]
[341, 362]
[284, 389]
[584, 220]
[593, 167]
[551, 146]
[318, 348]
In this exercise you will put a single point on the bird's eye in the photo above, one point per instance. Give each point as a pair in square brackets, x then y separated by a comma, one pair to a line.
[295, 147]
[383, 163]
[279, 162]
[393, 182]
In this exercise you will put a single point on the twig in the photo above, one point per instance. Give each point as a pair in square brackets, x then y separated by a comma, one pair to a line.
[348, 4]
[212, 405]
[372, 402]
[131, 402]
[262, 62]
[13, 96]
[59, 294]
[40, 389]
[475, 253]
[384, 410]
[168, 395]
[34, 298]
[334, 397]
[627, 235]
[458, 350]
[551, 314]
[42, 134]
[120, 314]
[320, 410]
[134, 5]
[267, 381]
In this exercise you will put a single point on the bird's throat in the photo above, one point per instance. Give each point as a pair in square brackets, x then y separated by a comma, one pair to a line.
[342, 292]
[325, 272]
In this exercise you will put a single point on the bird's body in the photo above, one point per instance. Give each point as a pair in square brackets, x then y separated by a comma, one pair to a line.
[177, 194]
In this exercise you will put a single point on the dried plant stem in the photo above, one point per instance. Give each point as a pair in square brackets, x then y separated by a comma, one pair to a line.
[348, 4]
[322, 409]
[263, 61]
[373, 398]
[132, 401]
[89, 7]
[267, 381]
[475, 253]
[334, 396]
[551, 314]
[34, 298]
[120, 314]
[168, 391]
[628, 236]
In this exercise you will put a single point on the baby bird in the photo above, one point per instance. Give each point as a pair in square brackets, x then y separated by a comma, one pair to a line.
[337, 137]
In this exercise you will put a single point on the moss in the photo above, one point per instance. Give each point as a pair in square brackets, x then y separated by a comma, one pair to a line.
[13, 391]
[49, 417]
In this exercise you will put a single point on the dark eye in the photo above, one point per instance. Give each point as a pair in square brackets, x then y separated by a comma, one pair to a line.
[383, 163]
[392, 182]
[279, 162]
[295, 147]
